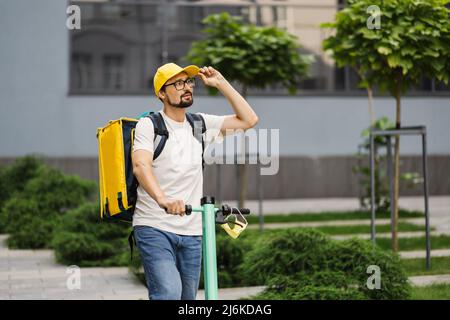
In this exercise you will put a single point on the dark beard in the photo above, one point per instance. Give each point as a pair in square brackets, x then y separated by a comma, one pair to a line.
[182, 104]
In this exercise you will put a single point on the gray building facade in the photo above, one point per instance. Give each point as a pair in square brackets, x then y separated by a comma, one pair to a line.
[319, 134]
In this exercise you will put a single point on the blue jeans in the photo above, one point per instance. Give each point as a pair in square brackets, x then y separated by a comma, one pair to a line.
[172, 263]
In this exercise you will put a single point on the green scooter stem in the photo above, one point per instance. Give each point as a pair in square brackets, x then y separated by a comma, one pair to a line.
[209, 249]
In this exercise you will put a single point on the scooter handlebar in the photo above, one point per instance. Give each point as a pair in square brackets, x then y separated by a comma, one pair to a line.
[241, 210]
[187, 209]
[226, 210]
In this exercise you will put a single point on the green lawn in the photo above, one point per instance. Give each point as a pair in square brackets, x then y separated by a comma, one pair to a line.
[324, 216]
[416, 267]
[433, 292]
[408, 244]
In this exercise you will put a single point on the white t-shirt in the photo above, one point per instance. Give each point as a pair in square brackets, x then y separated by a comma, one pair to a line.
[178, 170]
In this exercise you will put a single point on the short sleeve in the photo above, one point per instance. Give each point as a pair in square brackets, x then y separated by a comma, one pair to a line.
[213, 125]
[143, 135]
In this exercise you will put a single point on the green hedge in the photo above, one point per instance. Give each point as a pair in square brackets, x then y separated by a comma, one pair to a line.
[83, 239]
[15, 176]
[306, 264]
[44, 208]
[34, 210]
[13, 179]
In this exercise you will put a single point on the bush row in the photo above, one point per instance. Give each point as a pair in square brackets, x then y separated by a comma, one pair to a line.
[43, 208]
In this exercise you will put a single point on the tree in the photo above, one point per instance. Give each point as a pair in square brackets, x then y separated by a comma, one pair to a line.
[413, 40]
[253, 56]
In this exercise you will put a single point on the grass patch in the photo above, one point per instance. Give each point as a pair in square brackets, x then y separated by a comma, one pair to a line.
[325, 216]
[408, 244]
[417, 267]
[433, 292]
[334, 230]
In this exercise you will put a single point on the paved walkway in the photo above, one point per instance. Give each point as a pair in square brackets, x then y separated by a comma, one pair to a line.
[387, 235]
[439, 205]
[421, 281]
[33, 274]
[422, 254]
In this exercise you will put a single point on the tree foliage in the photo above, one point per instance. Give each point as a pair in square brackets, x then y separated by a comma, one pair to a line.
[254, 56]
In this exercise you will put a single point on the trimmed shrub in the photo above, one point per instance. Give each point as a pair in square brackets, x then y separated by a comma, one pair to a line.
[17, 212]
[355, 255]
[35, 233]
[55, 191]
[43, 200]
[230, 255]
[284, 253]
[13, 179]
[305, 264]
[16, 175]
[83, 239]
[319, 286]
[4, 190]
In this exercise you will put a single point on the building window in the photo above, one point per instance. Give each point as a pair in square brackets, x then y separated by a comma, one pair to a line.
[122, 43]
[113, 72]
[81, 71]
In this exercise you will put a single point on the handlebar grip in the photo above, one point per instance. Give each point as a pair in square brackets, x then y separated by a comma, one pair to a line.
[242, 210]
[187, 209]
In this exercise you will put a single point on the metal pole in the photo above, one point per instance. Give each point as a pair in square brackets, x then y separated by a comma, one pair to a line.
[238, 182]
[425, 189]
[260, 194]
[372, 188]
[391, 187]
[209, 248]
[218, 183]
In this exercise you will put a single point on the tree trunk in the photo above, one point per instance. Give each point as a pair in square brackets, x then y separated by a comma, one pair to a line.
[396, 164]
[243, 167]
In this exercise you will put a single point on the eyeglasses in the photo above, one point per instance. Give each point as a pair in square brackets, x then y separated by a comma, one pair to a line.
[180, 84]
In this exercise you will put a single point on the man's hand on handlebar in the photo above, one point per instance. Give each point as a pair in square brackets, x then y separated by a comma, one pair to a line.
[175, 207]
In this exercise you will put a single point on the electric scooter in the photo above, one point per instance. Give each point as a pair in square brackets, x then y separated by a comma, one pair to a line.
[211, 216]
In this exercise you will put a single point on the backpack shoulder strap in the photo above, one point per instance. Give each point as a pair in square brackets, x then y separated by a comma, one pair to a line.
[196, 121]
[198, 129]
[161, 133]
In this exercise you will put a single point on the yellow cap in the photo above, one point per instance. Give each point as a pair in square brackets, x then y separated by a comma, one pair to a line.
[169, 70]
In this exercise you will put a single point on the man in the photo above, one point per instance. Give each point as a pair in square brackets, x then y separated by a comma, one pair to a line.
[169, 241]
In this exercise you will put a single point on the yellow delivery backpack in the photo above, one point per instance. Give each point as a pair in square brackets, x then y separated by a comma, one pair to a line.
[118, 186]
[117, 183]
